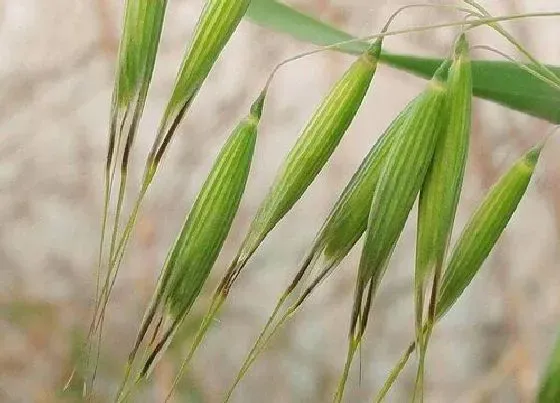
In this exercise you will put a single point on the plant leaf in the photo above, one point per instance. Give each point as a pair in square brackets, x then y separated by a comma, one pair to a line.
[283, 18]
[499, 81]
[549, 390]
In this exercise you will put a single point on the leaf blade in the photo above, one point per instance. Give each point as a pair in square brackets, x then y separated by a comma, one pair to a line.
[549, 389]
[492, 80]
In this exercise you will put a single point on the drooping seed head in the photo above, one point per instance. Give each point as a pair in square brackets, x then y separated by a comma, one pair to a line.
[484, 229]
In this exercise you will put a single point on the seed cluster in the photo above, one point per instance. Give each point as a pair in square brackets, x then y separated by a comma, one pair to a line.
[420, 157]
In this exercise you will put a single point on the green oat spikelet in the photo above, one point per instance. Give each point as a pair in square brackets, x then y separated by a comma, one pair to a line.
[217, 23]
[138, 47]
[312, 150]
[394, 196]
[440, 193]
[143, 23]
[484, 229]
[195, 250]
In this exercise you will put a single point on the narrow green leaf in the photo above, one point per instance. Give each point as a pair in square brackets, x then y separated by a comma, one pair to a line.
[549, 390]
[501, 82]
[283, 18]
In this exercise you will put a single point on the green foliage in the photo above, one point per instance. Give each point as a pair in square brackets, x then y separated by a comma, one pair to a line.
[549, 389]
[502, 82]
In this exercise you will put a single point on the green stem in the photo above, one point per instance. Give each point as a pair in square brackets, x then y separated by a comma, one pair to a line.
[394, 374]
[418, 394]
[353, 345]
[215, 306]
[256, 349]
[115, 263]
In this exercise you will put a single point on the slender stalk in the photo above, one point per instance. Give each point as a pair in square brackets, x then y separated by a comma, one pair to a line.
[213, 310]
[527, 67]
[261, 341]
[498, 28]
[118, 211]
[424, 340]
[395, 372]
[353, 345]
[423, 28]
[116, 260]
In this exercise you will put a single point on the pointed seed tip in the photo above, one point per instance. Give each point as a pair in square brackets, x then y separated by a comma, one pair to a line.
[258, 105]
[461, 46]
[442, 71]
[532, 156]
[374, 49]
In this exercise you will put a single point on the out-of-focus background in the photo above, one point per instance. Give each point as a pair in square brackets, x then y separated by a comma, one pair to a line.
[57, 62]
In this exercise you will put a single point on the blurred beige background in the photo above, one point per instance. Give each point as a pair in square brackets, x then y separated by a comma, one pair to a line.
[56, 69]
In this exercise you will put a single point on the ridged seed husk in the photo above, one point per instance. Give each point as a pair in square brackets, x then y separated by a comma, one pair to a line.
[312, 150]
[398, 187]
[210, 219]
[440, 192]
[348, 219]
[441, 189]
[218, 21]
[484, 229]
[206, 227]
[138, 48]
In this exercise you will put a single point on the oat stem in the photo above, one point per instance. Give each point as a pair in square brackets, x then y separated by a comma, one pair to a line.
[215, 306]
[395, 372]
[353, 345]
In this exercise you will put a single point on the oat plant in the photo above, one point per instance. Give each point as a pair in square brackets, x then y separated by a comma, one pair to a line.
[420, 156]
